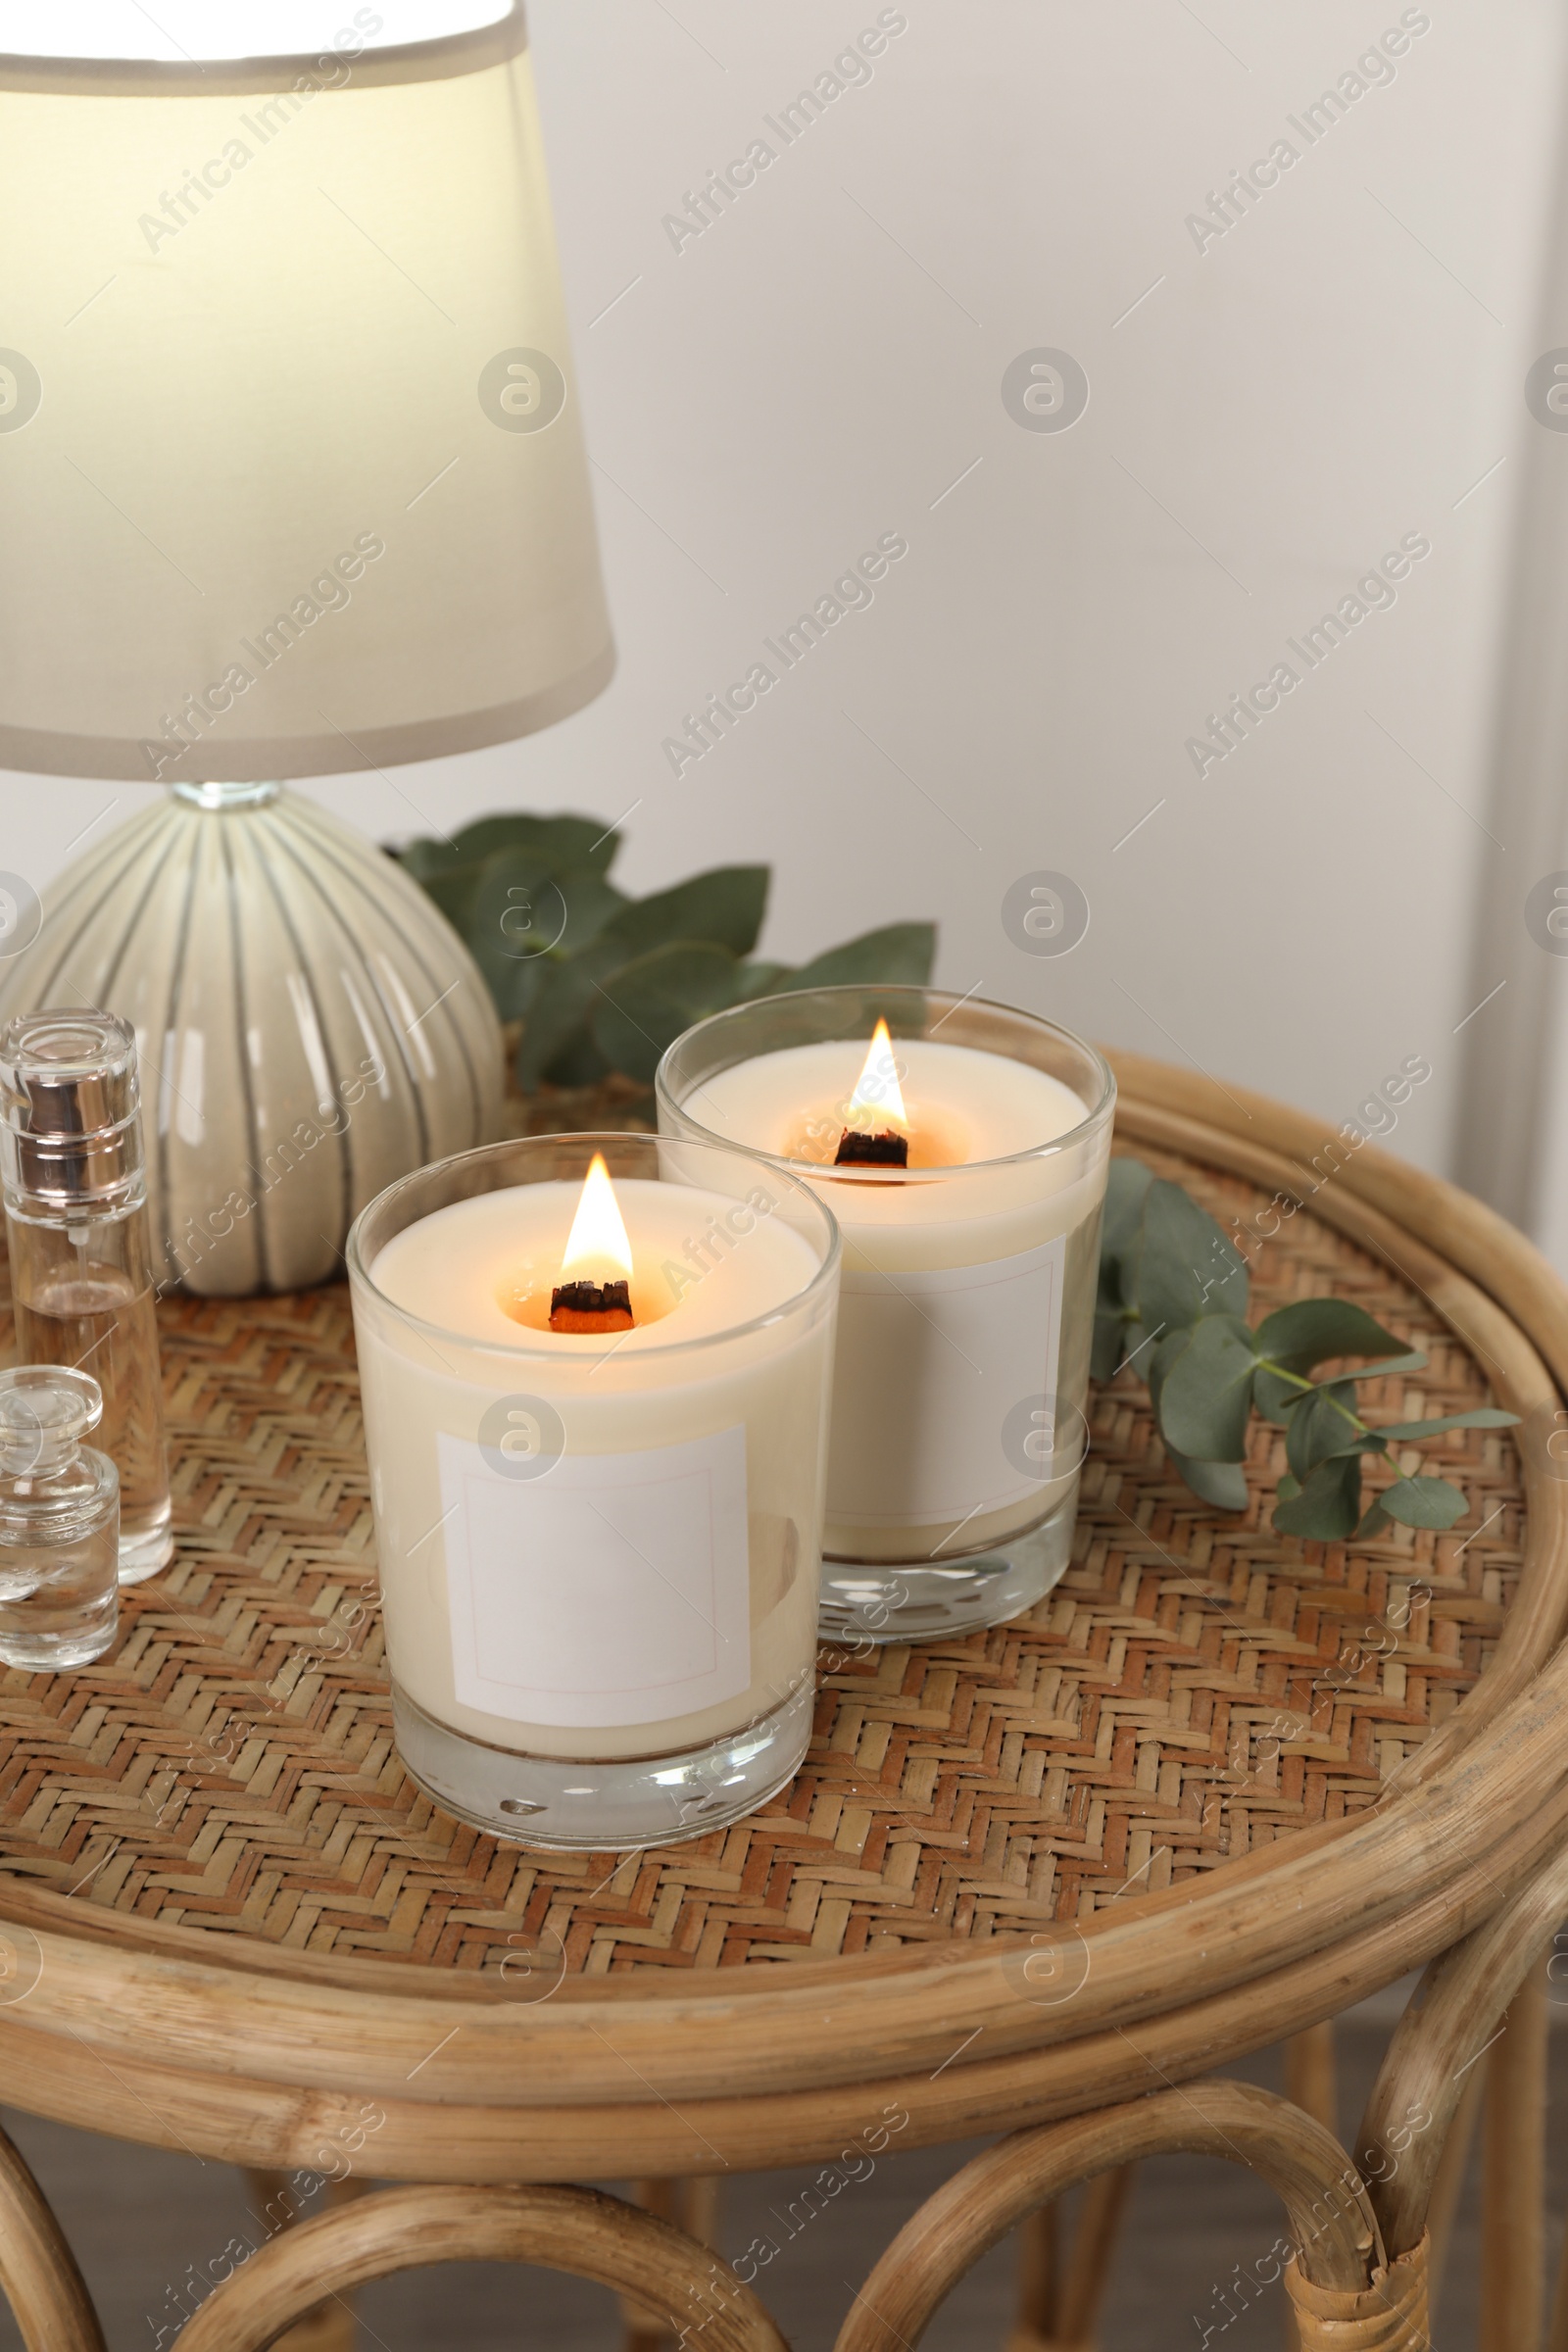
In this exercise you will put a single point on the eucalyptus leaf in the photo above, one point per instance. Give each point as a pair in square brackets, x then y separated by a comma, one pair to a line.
[519, 988]
[1423, 1503]
[1127, 1185]
[760, 978]
[1179, 1265]
[1157, 1355]
[423, 858]
[692, 973]
[1485, 1416]
[724, 908]
[454, 888]
[1137, 1346]
[1105, 1352]
[558, 1043]
[899, 954]
[642, 1008]
[1222, 1484]
[578, 1063]
[529, 896]
[1325, 1424]
[1205, 1398]
[1326, 1507]
[453, 870]
[1275, 1395]
[516, 913]
[558, 842]
[1311, 1330]
[1385, 1365]
[563, 995]
[588, 902]
[1172, 1296]
[1117, 1330]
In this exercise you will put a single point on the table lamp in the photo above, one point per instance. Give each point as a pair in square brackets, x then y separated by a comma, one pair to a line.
[291, 475]
[292, 481]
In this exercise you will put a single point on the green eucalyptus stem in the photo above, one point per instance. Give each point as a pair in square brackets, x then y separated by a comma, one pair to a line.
[1168, 1272]
[602, 982]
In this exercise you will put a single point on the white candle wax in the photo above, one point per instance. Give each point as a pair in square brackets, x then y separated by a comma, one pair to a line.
[967, 1289]
[597, 1546]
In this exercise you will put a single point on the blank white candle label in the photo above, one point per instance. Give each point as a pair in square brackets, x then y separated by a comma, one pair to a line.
[615, 1589]
[935, 1362]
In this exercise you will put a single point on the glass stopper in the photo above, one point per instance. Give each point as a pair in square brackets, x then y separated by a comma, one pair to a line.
[45, 1412]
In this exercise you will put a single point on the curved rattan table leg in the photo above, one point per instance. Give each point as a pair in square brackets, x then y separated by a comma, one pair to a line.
[1453, 2015]
[1337, 2279]
[1513, 2177]
[691, 2202]
[332, 2325]
[1311, 2074]
[1059, 2301]
[578, 2231]
[37, 2269]
[1447, 2185]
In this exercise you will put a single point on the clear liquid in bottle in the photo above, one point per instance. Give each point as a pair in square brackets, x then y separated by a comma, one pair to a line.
[75, 1187]
[97, 1322]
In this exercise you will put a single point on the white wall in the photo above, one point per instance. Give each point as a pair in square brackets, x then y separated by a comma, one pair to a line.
[819, 365]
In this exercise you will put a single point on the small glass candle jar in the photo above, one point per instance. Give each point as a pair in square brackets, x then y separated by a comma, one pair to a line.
[971, 1267]
[598, 1548]
[58, 1522]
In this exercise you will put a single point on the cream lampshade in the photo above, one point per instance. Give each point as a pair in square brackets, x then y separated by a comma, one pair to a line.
[292, 476]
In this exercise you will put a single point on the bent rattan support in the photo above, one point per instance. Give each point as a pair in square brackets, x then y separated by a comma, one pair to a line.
[1449, 2020]
[1513, 2177]
[1330, 2221]
[1389, 2316]
[37, 2269]
[578, 2231]
[691, 2205]
[1448, 2183]
[332, 2325]
[1059, 2301]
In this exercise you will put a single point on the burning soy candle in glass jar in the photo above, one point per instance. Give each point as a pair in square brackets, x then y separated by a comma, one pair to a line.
[596, 1376]
[962, 1147]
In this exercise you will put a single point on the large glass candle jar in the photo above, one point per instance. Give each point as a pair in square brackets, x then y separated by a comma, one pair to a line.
[596, 1375]
[962, 1147]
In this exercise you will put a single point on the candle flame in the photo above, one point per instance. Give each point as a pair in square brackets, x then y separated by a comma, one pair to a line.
[597, 1247]
[877, 1103]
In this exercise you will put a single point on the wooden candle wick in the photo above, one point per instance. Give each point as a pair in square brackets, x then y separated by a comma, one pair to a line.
[590, 1306]
[884, 1151]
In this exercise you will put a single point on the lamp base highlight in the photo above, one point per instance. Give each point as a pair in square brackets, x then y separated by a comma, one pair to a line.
[916, 1600]
[634, 1801]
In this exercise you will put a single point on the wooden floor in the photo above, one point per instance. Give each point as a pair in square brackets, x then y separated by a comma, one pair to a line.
[146, 2225]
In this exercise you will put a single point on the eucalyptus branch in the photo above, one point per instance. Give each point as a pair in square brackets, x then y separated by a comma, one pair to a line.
[1171, 1282]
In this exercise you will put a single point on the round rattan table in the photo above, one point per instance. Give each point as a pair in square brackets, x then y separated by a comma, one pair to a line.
[1217, 1787]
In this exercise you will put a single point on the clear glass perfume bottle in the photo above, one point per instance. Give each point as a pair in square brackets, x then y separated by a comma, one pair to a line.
[75, 1188]
[58, 1522]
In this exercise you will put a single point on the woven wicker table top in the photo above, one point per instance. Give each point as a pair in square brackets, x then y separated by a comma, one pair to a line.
[1196, 1686]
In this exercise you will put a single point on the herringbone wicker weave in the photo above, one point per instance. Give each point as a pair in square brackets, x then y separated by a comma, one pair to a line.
[1195, 1688]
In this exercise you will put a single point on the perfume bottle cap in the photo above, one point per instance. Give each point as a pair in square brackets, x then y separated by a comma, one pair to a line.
[69, 1110]
[45, 1412]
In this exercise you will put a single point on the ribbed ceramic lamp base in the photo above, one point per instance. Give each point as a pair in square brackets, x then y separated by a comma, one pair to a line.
[916, 1600]
[320, 1028]
[635, 1801]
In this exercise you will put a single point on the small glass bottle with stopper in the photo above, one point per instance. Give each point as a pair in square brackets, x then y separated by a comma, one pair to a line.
[75, 1187]
[58, 1522]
